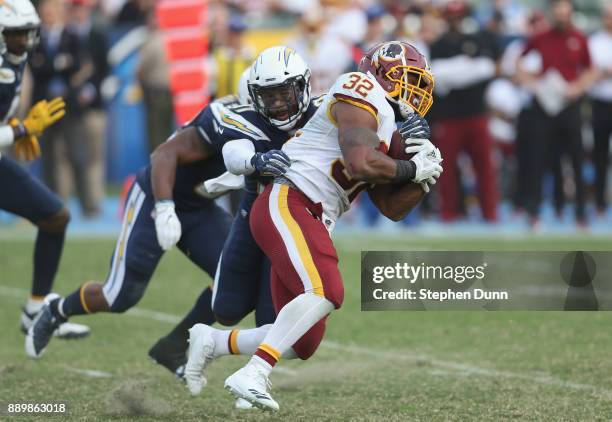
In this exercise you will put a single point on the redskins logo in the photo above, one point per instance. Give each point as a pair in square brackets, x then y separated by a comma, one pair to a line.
[389, 52]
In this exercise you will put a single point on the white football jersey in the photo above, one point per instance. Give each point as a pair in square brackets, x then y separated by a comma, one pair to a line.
[317, 167]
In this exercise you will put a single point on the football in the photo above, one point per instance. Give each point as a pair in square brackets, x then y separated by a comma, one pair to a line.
[397, 148]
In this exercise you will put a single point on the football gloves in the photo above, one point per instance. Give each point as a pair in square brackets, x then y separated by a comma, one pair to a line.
[27, 148]
[167, 224]
[428, 167]
[43, 114]
[416, 133]
[271, 163]
[415, 126]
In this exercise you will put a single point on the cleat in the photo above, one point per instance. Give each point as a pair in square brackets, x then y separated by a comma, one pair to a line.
[71, 331]
[171, 355]
[42, 329]
[252, 385]
[242, 404]
[67, 330]
[199, 355]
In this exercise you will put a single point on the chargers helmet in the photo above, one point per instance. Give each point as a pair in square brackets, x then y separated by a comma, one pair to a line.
[279, 84]
[18, 15]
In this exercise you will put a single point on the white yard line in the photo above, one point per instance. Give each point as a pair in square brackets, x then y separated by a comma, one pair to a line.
[462, 369]
[92, 373]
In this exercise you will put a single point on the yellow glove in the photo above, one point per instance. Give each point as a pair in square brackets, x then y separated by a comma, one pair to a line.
[43, 115]
[27, 148]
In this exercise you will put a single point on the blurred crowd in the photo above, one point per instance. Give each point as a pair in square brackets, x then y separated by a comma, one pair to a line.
[523, 96]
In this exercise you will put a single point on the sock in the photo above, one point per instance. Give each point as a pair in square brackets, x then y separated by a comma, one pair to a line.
[200, 313]
[73, 304]
[261, 364]
[47, 253]
[243, 342]
[34, 304]
[292, 322]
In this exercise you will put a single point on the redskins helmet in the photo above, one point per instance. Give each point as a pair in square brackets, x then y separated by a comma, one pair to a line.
[402, 71]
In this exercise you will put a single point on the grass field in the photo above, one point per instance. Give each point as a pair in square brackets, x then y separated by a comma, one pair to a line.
[391, 366]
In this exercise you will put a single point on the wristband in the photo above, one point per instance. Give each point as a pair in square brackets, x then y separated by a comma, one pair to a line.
[406, 171]
[19, 129]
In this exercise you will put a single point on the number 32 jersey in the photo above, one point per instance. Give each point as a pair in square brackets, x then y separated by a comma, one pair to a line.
[317, 167]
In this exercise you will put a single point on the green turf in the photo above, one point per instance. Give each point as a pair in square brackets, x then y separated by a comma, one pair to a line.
[373, 366]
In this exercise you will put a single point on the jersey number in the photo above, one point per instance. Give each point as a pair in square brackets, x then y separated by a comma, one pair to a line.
[359, 84]
[343, 178]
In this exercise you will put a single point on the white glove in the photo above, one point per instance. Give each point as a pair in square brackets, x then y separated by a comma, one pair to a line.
[428, 167]
[416, 145]
[167, 224]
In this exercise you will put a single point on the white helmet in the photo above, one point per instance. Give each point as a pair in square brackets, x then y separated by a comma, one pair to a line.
[18, 15]
[279, 84]
[243, 88]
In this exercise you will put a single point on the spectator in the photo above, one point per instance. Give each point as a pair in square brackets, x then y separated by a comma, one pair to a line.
[565, 76]
[86, 85]
[231, 59]
[54, 62]
[374, 35]
[600, 46]
[525, 122]
[463, 64]
[154, 76]
[134, 12]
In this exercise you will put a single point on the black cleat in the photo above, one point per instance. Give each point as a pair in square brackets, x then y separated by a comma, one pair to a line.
[171, 355]
[42, 329]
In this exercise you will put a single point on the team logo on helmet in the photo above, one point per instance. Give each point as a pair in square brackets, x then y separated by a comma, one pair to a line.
[389, 52]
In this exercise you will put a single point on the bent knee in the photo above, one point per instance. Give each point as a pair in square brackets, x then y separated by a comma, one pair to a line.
[56, 223]
[226, 321]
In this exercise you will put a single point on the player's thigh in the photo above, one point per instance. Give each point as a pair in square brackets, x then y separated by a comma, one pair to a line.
[25, 195]
[297, 243]
[237, 277]
[203, 234]
[136, 252]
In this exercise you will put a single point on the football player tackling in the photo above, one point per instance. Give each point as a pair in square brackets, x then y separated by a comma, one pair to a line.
[340, 152]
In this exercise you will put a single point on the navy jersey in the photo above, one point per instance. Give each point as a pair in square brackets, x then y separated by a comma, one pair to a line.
[219, 122]
[11, 76]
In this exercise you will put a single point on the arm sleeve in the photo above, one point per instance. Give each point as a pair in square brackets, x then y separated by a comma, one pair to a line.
[237, 156]
[6, 135]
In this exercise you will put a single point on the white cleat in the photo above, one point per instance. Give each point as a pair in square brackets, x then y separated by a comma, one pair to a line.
[199, 355]
[252, 385]
[242, 404]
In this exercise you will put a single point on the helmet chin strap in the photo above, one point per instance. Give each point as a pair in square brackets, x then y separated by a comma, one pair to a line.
[16, 59]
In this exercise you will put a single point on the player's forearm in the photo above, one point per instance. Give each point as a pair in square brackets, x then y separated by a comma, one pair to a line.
[163, 172]
[376, 168]
[394, 202]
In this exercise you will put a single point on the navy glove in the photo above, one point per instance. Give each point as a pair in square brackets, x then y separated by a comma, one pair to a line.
[271, 163]
[415, 127]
